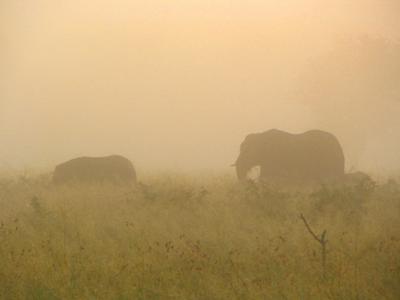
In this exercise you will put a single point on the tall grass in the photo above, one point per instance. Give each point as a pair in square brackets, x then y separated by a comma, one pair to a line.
[179, 237]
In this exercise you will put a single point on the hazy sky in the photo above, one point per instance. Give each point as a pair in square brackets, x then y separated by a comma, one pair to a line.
[178, 84]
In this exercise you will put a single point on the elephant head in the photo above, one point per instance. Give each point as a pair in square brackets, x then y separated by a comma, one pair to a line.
[250, 156]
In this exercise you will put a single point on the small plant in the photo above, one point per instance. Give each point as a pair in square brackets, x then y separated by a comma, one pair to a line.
[321, 239]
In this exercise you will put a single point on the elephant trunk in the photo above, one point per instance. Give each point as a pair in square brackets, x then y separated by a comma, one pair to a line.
[242, 168]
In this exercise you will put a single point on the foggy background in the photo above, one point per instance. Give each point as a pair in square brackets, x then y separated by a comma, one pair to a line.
[176, 85]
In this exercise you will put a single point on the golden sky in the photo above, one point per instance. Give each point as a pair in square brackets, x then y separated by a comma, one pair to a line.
[178, 84]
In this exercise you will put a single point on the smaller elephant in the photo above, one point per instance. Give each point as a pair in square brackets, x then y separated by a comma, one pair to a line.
[356, 178]
[114, 169]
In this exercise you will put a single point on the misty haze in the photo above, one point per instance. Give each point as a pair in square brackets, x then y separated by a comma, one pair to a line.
[200, 149]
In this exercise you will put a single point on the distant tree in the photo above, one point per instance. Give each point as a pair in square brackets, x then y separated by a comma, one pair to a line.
[355, 88]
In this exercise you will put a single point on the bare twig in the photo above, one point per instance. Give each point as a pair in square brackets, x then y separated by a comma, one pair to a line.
[310, 230]
[321, 240]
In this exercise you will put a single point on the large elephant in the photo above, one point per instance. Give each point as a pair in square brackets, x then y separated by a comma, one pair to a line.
[115, 168]
[313, 156]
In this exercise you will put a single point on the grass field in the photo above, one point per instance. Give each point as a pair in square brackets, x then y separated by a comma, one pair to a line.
[194, 237]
